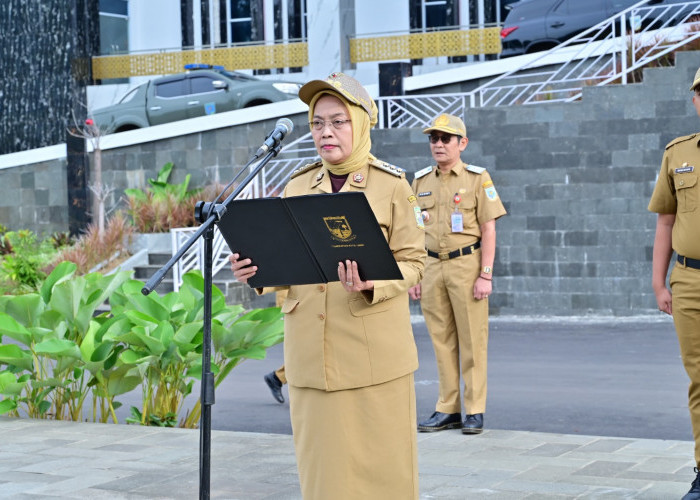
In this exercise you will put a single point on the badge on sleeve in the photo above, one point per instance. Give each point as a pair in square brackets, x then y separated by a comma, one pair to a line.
[491, 193]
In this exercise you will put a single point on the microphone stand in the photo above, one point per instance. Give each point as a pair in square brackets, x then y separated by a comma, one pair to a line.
[207, 213]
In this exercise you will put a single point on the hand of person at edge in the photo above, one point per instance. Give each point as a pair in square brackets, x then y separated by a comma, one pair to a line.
[482, 288]
[415, 292]
[664, 300]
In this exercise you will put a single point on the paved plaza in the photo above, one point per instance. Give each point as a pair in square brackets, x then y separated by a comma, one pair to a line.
[49, 459]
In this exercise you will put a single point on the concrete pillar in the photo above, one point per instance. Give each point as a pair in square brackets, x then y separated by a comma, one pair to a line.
[330, 24]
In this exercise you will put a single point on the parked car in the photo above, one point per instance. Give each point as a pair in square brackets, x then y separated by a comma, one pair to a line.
[201, 90]
[535, 25]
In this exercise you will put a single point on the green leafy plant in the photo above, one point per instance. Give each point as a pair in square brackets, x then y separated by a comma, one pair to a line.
[21, 268]
[165, 343]
[162, 205]
[62, 351]
[61, 239]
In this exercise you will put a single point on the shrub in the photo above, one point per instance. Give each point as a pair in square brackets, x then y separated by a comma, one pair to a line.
[93, 248]
[62, 352]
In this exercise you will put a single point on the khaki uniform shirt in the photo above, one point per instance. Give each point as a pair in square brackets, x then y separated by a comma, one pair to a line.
[478, 203]
[337, 340]
[677, 192]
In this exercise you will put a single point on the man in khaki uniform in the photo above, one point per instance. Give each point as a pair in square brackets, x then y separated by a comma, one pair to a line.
[676, 199]
[459, 206]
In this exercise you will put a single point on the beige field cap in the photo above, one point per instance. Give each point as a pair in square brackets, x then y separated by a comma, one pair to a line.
[447, 123]
[345, 85]
[696, 80]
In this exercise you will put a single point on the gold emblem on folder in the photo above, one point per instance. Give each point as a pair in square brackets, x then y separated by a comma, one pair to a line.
[339, 228]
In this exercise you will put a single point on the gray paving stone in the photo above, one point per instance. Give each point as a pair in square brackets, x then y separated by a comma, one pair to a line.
[551, 450]
[604, 468]
[136, 463]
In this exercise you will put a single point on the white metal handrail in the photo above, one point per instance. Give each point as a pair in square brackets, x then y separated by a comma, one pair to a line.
[606, 53]
[270, 181]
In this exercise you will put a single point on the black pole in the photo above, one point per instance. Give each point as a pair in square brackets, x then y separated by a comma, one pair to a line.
[207, 389]
[207, 214]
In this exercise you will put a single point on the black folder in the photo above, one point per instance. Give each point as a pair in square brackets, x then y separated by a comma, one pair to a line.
[301, 239]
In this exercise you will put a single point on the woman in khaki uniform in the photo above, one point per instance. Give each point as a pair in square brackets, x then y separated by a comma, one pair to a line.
[348, 349]
[676, 199]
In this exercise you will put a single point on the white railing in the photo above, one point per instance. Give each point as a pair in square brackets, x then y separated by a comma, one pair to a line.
[606, 53]
[270, 181]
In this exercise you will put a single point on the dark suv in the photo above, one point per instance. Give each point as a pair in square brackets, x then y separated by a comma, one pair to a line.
[535, 25]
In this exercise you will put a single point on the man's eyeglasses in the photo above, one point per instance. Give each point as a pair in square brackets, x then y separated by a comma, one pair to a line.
[444, 138]
[337, 124]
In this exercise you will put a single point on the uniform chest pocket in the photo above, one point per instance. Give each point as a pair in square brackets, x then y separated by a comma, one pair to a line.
[686, 192]
[467, 203]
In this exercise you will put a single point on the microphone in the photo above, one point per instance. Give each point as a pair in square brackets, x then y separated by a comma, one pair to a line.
[282, 128]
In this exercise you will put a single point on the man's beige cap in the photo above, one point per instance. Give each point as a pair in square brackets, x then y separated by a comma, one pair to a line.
[696, 80]
[343, 84]
[447, 123]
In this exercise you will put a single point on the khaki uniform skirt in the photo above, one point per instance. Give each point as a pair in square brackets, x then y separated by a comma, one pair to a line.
[356, 443]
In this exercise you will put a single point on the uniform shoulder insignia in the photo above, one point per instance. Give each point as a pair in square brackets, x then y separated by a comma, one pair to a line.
[305, 168]
[678, 140]
[475, 169]
[388, 167]
[422, 172]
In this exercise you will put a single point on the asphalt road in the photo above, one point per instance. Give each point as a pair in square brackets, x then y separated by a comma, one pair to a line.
[606, 377]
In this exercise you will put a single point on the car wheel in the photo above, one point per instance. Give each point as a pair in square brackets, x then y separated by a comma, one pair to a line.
[256, 102]
[124, 128]
[540, 47]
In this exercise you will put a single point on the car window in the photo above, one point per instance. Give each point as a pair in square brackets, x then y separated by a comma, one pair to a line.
[171, 88]
[575, 7]
[202, 84]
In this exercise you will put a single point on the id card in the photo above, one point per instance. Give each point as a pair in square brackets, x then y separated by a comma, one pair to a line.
[457, 225]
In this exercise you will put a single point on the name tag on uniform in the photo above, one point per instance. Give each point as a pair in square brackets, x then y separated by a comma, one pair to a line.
[457, 225]
[685, 170]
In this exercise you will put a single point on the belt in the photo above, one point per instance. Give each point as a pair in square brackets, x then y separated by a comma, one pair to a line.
[694, 263]
[456, 253]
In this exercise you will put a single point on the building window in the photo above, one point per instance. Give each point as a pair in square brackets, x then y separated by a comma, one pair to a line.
[240, 21]
[114, 26]
[427, 14]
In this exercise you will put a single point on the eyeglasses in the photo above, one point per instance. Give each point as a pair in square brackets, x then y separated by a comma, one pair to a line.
[320, 124]
[444, 138]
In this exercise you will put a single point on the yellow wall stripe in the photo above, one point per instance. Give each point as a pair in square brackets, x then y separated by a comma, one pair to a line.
[422, 45]
[287, 55]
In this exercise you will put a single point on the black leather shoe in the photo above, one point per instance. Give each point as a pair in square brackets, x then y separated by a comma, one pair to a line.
[439, 421]
[694, 493]
[275, 386]
[473, 424]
